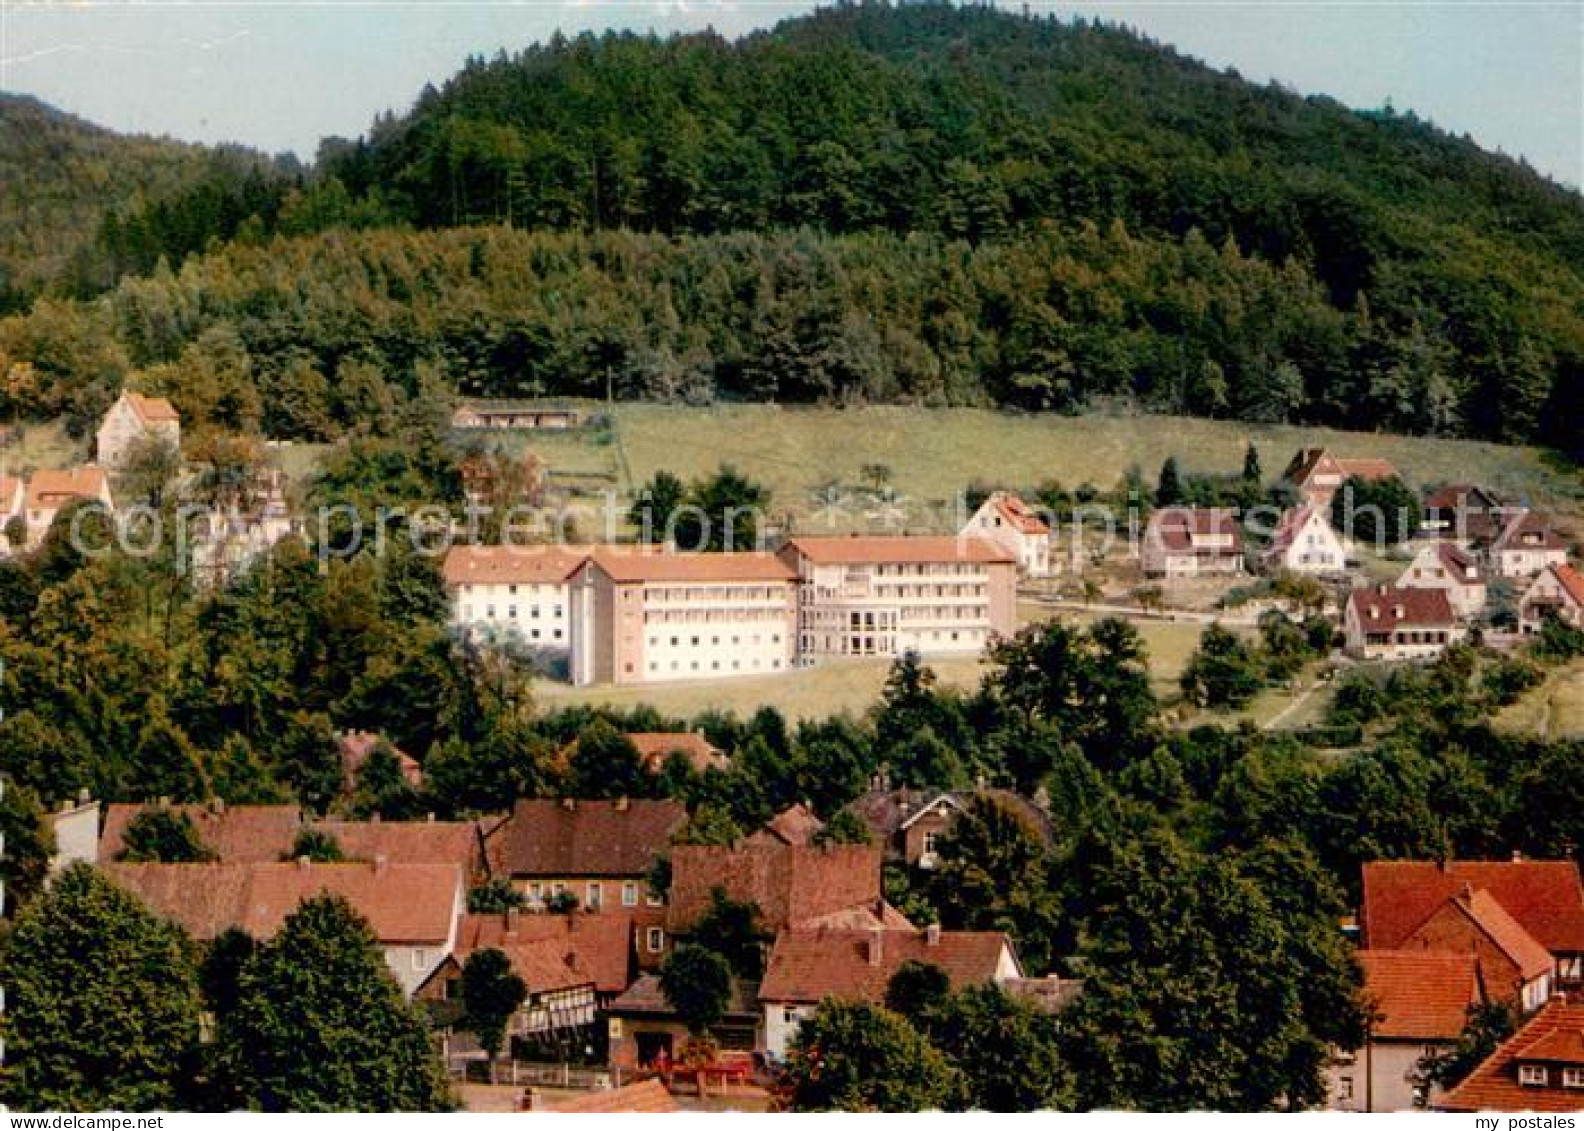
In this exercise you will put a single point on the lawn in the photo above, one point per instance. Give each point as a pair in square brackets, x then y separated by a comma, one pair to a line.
[1553, 710]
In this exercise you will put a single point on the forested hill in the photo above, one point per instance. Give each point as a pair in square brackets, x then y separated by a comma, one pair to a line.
[945, 204]
[63, 176]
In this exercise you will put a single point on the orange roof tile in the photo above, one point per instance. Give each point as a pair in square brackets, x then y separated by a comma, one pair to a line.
[406, 842]
[1494, 1086]
[862, 549]
[1420, 995]
[151, 409]
[1367, 469]
[654, 747]
[1018, 514]
[647, 1097]
[1384, 606]
[789, 884]
[1571, 581]
[808, 966]
[1544, 896]
[652, 563]
[52, 490]
[796, 825]
[546, 837]
[557, 951]
[1529, 956]
[1188, 528]
[513, 565]
[236, 834]
[1528, 525]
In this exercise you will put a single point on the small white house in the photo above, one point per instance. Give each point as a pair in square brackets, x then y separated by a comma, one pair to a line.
[1559, 592]
[132, 419]
[1011, 523]
[1452, 569]
[1526, 546]
[1191, 542]
[1387, 622]
[1305, 543]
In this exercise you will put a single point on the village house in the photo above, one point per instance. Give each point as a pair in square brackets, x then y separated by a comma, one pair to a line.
[884, 596]
[13, 492]
[516, 592]
[1525, 547]
[1407, 905]
[358, 745]
[1452, 569]
[475, 415]
[1558, 592]
[1420, 1001]
[228, 537]
[50, 492]
[1317, 475]
[909, 823]
[135, 419]
[1191, 542]
[1011, 523]
[1385, 622]
[76, 828]
[413, 909]
[1540, 1068]
[1464, 513]
[655, 748]
[1305, 543]
[795, 826]
[808, 966]
[596, 852]
[644, 1033]
[642, 614]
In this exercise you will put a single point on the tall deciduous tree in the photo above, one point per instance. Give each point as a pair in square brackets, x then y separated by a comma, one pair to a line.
[491, 993]
[851, 1056]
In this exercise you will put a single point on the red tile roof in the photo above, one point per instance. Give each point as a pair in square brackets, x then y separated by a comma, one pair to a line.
[795, 826]
[406, 842]
[52, 490]
[1188, 529]
[557, 951]
[629, 564]
[151, 409]
[1531, 959]
[588, 838]
[236, 834]
[1459, 562]
[357, 745]
[647, 1097]
[1544, 896]
[808, 966]
[1367, 469]
[1420, 995]
[790, 885]
[1571, 581]
[1018, 514]
[654, 747]
[1309, 460]
[1383, 606]
[1494, 1086]
[877, 549]
[1456, 496]
[403, 903]
[513, 565]
[1525, 525]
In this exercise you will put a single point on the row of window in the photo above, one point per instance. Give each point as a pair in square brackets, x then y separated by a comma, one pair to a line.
[593, 893]
[490, 612]
[697, 641]
[1539, 1076]
[713, 616]
[716, 593]
[655, 666]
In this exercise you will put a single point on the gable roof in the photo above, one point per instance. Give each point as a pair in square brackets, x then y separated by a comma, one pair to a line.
[888, 811]
[513, 565]
[1017, 514]
[236, 834]
[52, 490]
[807, 966]
[645, 997]
[647, 1097]
[629, 564]
[1528, 524]
[1188, 529]
[868, 549]
[556, 951]
[795, 825]
[1570, 580]
[357, 745]
[1544, 896]
[1391, 605]
[403, 903]
[654, 747]
[1293, 522]
[1458, 496]
[1493, 1086]
[1310, 460]
[546, 837]
[150, 410]
[1531, 959]
[789, 884]
[406, 842]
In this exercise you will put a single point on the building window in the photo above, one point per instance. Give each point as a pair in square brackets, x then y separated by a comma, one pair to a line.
[1573, 1077]
[596, 895]
[1533, 1075]
[655, 940]
[1345, 1088]
[419, 959]
[629, 894]
[929, 843]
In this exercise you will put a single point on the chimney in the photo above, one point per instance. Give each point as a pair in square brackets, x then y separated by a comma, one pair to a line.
[217, 806]
[304, 863]
[374, 818]
[381, 864]
[876, 945]
[511, 922]
[569, 804]
[932, 935]
[621, 804]
[1517, 857]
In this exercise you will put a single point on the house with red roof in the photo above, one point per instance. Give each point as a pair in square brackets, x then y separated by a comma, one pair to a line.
[1012, 524]
[809, 965]
[1419, 1003]
[1504, 912]
[50, 492]
[1449, 567]
[791, 885]
[909, 823]
[357, 746]
[1558, 591]
[644, 614]
[1463, 513]
[1540, 1068]
[1388, 622]
[1526, 546]
[1318, 475]
[1303, 542]
[797, 825]
[1191, 542]
[132, 420]
[867, 595]
[413, 909]
[516, 592]
[598, 852]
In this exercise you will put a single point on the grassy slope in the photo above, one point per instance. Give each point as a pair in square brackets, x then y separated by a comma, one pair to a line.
[1554, 710]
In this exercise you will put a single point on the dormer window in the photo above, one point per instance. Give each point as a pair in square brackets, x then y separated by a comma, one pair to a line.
[1533, 1075]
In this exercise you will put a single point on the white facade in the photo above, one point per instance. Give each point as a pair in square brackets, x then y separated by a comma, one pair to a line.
[538, 613]
[1306, 544]
[1558, 591]
[1391, 623]
[1008, 522]
[1439, 565]
[413, 962]
[131, 419]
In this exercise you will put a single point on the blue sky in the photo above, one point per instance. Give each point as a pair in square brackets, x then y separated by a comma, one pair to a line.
[282, 74]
